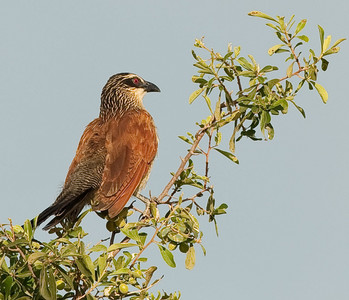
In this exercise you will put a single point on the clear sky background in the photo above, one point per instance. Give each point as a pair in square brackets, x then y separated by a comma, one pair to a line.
[286, 232]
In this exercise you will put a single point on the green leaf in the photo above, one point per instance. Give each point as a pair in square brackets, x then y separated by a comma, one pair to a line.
[247, 74]
[69, 250]
[83, 268]
[194, 55]
[98, 248]
[229, 155]
[203, 249]
[52, 284]
[18, 242]
[148, 275]
[184, 138]
[326, 43]
[290, 23]
[270, 130]
[121, 271]
[202, 65]
[208, 102]
[338, 42]
[301, 110]
[28, 229]
[3, 265]
[102, 262]
[272, 82]
[237, 51]
[265, 119]
[44, 285]
[89, 264]
[324, 64]
[228, 55]
[303, 38]
[333, 50]
[273, 26]
[120, 246]
[268, 68]
[194, 95]
[322, 92]
[321, 33]
[167, 256]
[245, 64]
[132, 234]
[6, 286]
[35, 256]
[217, 111]
[289, 71]
[190, 258]
[280, 105]
[18, 229]
[198, 79]
[176, 237]
[252, 59]
[282, 50]
[273, 49]
[220, 210]
[300, 26]
[261, 15]
[119, 263]
[232, 143]
[218, 138]
[67, 278]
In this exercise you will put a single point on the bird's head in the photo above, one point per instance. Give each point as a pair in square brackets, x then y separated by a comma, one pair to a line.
[124, 91]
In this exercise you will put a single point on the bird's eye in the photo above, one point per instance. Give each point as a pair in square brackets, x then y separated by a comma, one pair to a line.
[136, 81]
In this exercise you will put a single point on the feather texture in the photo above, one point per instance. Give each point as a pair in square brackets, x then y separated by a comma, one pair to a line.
[114, 155]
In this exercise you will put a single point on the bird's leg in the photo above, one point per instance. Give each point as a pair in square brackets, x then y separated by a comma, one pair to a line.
[113, 234]
[112, 237]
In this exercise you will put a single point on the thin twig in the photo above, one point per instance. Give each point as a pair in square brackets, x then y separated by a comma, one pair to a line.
[146, 246]
[17, 249]
[294, 74]
[144, 199]
[292, 49]
[199, 135]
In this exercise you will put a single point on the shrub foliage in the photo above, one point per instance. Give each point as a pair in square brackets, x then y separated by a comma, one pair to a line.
[242, 96]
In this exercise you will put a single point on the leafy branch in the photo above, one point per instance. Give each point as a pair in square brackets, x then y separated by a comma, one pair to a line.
[240, 97]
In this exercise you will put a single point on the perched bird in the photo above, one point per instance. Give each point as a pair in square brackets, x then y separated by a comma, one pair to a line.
[114, 155]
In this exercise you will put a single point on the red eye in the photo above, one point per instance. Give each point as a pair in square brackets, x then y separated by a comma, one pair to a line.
[135, 80]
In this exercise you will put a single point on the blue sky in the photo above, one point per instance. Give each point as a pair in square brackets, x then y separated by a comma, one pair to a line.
[286, 232]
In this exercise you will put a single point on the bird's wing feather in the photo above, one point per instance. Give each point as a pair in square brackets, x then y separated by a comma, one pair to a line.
[131, 145]
[92, 143]
[84, 175]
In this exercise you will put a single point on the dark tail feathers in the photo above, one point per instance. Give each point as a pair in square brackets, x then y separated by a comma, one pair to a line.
[66, 209]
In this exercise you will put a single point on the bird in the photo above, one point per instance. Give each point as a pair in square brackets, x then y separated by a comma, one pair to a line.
[114, 156]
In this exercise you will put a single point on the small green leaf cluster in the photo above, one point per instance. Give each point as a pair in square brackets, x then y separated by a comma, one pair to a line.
[181, 231]
[190, 177]
[252, 106]
[64, 269]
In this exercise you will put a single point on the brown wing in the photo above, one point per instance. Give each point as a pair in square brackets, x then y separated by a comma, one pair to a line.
[131, 145]
[91, 144]
[84, 176]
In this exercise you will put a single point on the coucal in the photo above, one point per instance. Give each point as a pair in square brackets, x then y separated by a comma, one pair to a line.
[114, 155]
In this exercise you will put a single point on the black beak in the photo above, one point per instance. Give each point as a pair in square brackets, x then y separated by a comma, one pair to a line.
[150, 87]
